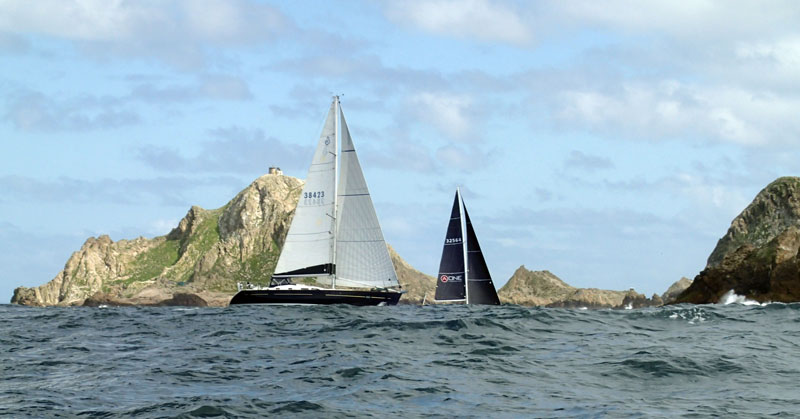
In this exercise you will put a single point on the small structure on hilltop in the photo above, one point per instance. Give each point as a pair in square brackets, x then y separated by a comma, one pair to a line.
[275, 170]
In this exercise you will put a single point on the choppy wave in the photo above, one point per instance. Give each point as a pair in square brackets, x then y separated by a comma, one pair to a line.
[410, 361]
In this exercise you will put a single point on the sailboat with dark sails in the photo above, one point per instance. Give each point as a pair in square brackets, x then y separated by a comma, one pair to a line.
[463, 274]
[334, 238]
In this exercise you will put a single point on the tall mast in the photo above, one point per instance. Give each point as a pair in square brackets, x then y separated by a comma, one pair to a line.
[335, 186]
[464, 243]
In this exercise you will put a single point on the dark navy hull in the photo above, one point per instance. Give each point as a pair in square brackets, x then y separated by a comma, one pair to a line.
[316, 296]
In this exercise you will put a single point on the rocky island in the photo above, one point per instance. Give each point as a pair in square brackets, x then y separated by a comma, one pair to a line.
[542, 288]
[199, 262]
[758, 257]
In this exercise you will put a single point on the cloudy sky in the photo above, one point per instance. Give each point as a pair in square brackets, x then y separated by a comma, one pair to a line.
[608, 142]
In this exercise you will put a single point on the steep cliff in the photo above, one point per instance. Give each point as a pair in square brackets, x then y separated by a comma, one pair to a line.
[773, 210]
[758, 256]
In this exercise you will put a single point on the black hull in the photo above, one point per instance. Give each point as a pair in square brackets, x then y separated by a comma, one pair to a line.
[352, 297]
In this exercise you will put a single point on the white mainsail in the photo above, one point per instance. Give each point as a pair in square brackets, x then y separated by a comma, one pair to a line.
[308, 250]
[362, 258]
[336, 230]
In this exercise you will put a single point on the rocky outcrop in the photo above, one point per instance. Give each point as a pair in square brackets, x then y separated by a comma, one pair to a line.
[542, 288]
[205, 255]
[758, 257]
[675, 290]
[100, 299]
[180, 299]
[416, 284]
[208, 252]
[770, 272]
[184, 299]
[633, 299]
[773, 210]
[534, 288]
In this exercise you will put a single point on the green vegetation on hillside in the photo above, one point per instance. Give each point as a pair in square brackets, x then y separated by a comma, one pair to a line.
[151, 263]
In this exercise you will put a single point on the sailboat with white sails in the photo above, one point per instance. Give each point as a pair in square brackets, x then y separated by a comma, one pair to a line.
[334, 236]
[463, 274]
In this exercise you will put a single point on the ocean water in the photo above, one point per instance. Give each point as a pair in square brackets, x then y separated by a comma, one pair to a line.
[409, 361]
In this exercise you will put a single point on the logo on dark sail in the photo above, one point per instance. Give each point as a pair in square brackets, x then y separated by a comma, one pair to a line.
[450, 278]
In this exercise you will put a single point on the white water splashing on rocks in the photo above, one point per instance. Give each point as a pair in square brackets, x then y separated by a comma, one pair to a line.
[731, 297]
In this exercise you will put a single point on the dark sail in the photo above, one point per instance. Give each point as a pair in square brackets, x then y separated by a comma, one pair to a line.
[450, 281]
[481, 287]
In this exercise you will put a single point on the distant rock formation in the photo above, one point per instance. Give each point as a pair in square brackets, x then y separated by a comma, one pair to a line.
[758, 257]
[180, 299]
[534, 288]
[675, 290]
[542, 288]
[206, 254]
[416, 284]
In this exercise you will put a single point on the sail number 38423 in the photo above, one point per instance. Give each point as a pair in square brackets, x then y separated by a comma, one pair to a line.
[317, 194]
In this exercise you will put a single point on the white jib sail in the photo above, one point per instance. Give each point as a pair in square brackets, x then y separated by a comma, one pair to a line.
[309, 242]
[362, 258]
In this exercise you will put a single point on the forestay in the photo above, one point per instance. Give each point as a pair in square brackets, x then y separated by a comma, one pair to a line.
[450, 280]
[308, 250]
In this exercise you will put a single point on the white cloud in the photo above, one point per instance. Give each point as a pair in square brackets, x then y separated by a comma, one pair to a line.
[448, 113]
[675, 110]
[31, 111]
[208, 87]
[587, 162]
[235, 150]
[167, 191]
[177, 32]
[706, 19]
[472, 19]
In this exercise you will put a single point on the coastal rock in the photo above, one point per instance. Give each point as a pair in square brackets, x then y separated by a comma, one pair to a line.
[208, 251]
[773, 210]
[656, 300]
[542, 288]
[534, 288]
[633, 299]
[102, 299]
[205, 255]
[180, 299]
[758, 256]
[418, 286]
[675, 290]
[185, 299]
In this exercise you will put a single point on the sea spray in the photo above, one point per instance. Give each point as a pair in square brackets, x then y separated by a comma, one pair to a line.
[731, 297]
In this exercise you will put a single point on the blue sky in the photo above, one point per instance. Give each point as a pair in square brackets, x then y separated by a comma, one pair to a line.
[608, 142]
